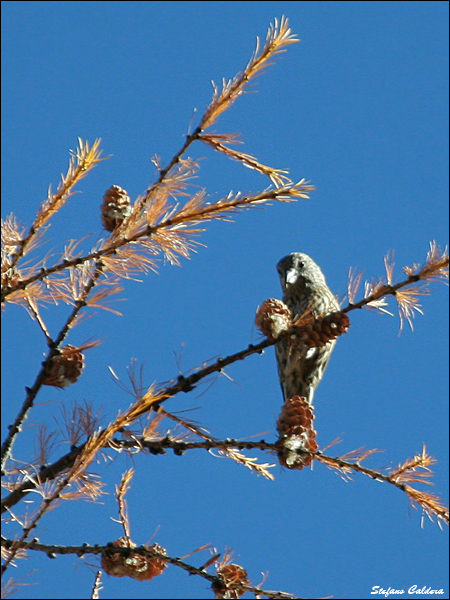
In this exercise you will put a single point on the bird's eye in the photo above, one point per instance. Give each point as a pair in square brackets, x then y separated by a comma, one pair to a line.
[301, 264]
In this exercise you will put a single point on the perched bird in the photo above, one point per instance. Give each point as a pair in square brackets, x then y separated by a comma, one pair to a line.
[301, 368]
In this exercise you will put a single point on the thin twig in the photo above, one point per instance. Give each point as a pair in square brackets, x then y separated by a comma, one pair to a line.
[81, 162]
[32, 392]
[205, 212]
[95, 595]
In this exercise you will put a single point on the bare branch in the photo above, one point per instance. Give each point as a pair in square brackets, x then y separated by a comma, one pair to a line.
[53, 550]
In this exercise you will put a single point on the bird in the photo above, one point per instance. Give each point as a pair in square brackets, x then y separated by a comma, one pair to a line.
[305, 289]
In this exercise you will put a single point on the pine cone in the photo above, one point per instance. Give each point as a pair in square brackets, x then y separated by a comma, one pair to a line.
[156, 565]
[65, 368]
[295, 427]
[273, 317]
[318, 332]
[142, 568]
[114, 563]
[228, 577]
[116, 207]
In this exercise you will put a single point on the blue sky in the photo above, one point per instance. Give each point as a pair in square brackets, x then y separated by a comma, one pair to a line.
[359, 108]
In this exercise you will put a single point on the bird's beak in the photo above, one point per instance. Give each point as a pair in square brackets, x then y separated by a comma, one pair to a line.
[291, 276]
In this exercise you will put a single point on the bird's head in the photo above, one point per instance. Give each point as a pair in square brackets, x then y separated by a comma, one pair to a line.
[299, 271]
